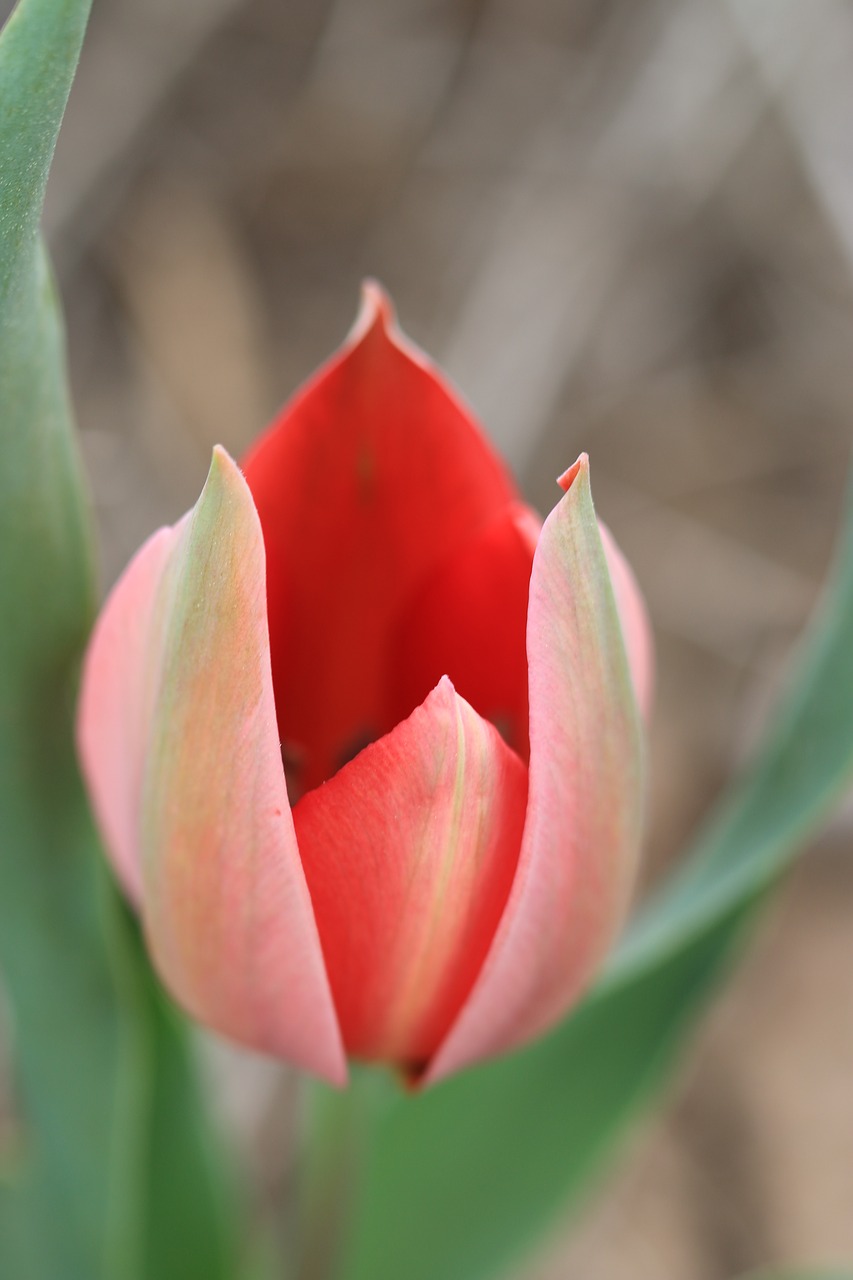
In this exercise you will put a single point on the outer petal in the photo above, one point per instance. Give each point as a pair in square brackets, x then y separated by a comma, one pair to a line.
[636, 628]
[635, 621]
[581, 832]
[373, 474]
[410, 851]
[117, 702]
[179, 744]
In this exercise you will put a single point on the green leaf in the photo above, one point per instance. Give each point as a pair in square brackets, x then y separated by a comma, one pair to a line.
[112, 1174]
[457, 1181]
[176, 1202]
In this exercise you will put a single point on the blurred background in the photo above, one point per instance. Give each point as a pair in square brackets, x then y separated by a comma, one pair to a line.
[620, 227]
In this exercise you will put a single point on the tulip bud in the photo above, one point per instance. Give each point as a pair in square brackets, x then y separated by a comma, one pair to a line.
[362, 738]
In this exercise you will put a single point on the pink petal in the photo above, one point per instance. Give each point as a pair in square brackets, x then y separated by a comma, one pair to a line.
[120, 684]
[410, 851]
[180, 747]
[581, 834]
[636, 628]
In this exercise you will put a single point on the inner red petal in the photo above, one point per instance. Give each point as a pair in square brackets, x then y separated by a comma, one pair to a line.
[366, 486]
[409, 853]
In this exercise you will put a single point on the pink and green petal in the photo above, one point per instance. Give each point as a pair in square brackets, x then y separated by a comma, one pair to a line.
[121, 677]
[204, 805]
[581, 835]
[634, 617]
[410, 851]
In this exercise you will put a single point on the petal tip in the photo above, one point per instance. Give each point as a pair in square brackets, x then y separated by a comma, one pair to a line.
[376, 311]
[442, 697]
[221, 456]
[225, 489]
[377, 299]
[567, 479]
[445, 687]
[378, 315]
[222, 465]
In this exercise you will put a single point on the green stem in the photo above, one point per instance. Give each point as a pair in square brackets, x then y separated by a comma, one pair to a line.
[339, 1124]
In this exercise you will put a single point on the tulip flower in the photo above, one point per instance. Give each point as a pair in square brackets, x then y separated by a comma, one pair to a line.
[362, 736]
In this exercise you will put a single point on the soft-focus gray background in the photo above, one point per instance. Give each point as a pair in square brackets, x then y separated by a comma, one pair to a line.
[624, 227]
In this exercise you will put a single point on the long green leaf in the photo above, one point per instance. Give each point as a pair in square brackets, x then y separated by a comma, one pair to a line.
[114, 1151]
[457, 1181]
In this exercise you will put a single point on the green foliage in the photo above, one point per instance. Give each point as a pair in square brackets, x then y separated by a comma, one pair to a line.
[455, 1182]
[113, 1175]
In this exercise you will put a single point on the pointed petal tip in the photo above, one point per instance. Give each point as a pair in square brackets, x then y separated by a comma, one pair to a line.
[445, 689]
[223, 469]
[376, 299]
[567, 479]
[221, 457]
[225, 493]
[633, 615]
[376, 311]
[378, 315]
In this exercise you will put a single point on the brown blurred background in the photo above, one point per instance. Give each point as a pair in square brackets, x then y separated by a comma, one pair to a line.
[621, 227]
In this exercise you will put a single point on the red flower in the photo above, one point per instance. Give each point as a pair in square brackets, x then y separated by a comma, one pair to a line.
[362, 739]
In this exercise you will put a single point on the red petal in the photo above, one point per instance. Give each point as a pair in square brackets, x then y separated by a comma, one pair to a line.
[581, 834]
[372, 475]
[470, 618]
[180, 748]
[409, 852]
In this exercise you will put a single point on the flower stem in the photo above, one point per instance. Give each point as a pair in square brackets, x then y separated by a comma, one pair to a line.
[340, 1124]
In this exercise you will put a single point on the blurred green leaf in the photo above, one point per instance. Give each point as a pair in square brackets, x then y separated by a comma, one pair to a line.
[112, 1174]
[457, 1181]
